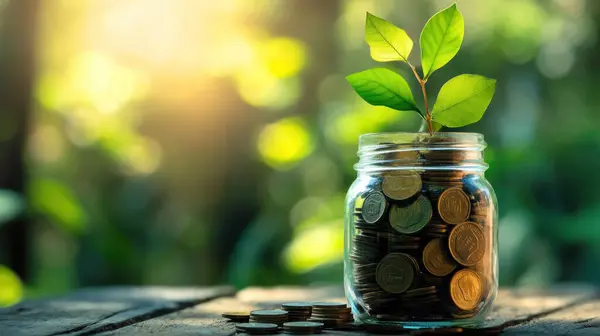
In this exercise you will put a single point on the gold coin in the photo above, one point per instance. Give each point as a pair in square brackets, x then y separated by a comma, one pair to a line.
[400, 186]
[467, 243]
[466, 289]
[412, 218]
[436, 260]
[454, 206]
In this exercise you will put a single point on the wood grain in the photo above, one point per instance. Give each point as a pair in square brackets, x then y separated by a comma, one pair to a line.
[90, 311]
[582, 319]
[567, 310]
[513, 307]
[205, 319]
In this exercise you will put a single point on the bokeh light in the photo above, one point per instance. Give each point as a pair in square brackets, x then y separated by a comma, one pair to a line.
[285, 142]
[11, 289]
[316, 246]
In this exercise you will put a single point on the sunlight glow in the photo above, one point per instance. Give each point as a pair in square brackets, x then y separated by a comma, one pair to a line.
[316, 246]
[284, 57]
[284, 143]
[270, 78]
[345, 127]
[11, 289]
[92, 79]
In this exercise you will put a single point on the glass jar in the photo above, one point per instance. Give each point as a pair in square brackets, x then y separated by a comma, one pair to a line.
[421, 231]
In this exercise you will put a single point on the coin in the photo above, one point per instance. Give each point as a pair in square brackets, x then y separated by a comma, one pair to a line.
[327, 322]
[237, 316]
[374, 207]
[296, 306]
[342, 316]
[269, 313]
[454, 206]
[467, 243]
[330, 305]
[412, 218]
[400, 186]
[395, 273]
[256, 327]
[466, 289]
[436, 260]
[420, 292]
[303, 327]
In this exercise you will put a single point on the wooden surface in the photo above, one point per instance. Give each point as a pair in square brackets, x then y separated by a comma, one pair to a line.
[566, 310]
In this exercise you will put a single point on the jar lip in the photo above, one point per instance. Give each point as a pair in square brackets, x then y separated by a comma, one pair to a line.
[463, 136]
[408, 151]
[436, 138]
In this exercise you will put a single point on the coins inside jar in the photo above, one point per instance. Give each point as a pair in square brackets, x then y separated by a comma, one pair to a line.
[373, 207]
[454, 206]
[411, 218]
[466, 289]
[436, 260]
[426, 258]
[467, 243]
[396, 272]
[401, 186]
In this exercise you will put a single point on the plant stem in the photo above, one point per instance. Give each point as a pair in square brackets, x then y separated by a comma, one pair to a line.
[422, 84]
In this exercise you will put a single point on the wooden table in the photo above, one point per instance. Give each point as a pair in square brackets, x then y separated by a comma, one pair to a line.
[565, 310]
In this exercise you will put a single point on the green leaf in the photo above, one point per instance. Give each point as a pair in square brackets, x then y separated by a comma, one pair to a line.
[387, 42]
[441, 39]
[436, 126]
[383, 87]
[463, 100]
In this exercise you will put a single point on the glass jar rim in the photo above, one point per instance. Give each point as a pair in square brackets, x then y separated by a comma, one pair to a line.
[403, 151]
[399, 138]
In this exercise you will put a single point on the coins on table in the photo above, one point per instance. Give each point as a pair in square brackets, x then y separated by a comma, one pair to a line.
[297, 311]
[331, 314]
[400, 186]
[237, 316]
[412, 218]
[256, 328]
[454, 206]
[396, 272]
[373, 207]
[426, 257]
[467, 243]
[329, 305]
[303, 328]
[466, 289]
[436, 259]
[334, 315]
[275, 316]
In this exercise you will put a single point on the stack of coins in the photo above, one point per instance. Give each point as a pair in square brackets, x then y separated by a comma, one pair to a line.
[256, 328]
[275, 316]
[331, 314]
[303, 328]
[237, 316]
[421, 245]
[297, 311]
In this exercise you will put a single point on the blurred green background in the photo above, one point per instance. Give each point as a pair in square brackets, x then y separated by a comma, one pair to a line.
[192, 142]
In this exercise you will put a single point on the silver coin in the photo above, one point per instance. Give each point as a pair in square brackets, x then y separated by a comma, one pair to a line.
[373, 207]
[412, 218]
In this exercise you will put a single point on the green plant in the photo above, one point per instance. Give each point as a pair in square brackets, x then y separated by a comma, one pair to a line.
[461, 101]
